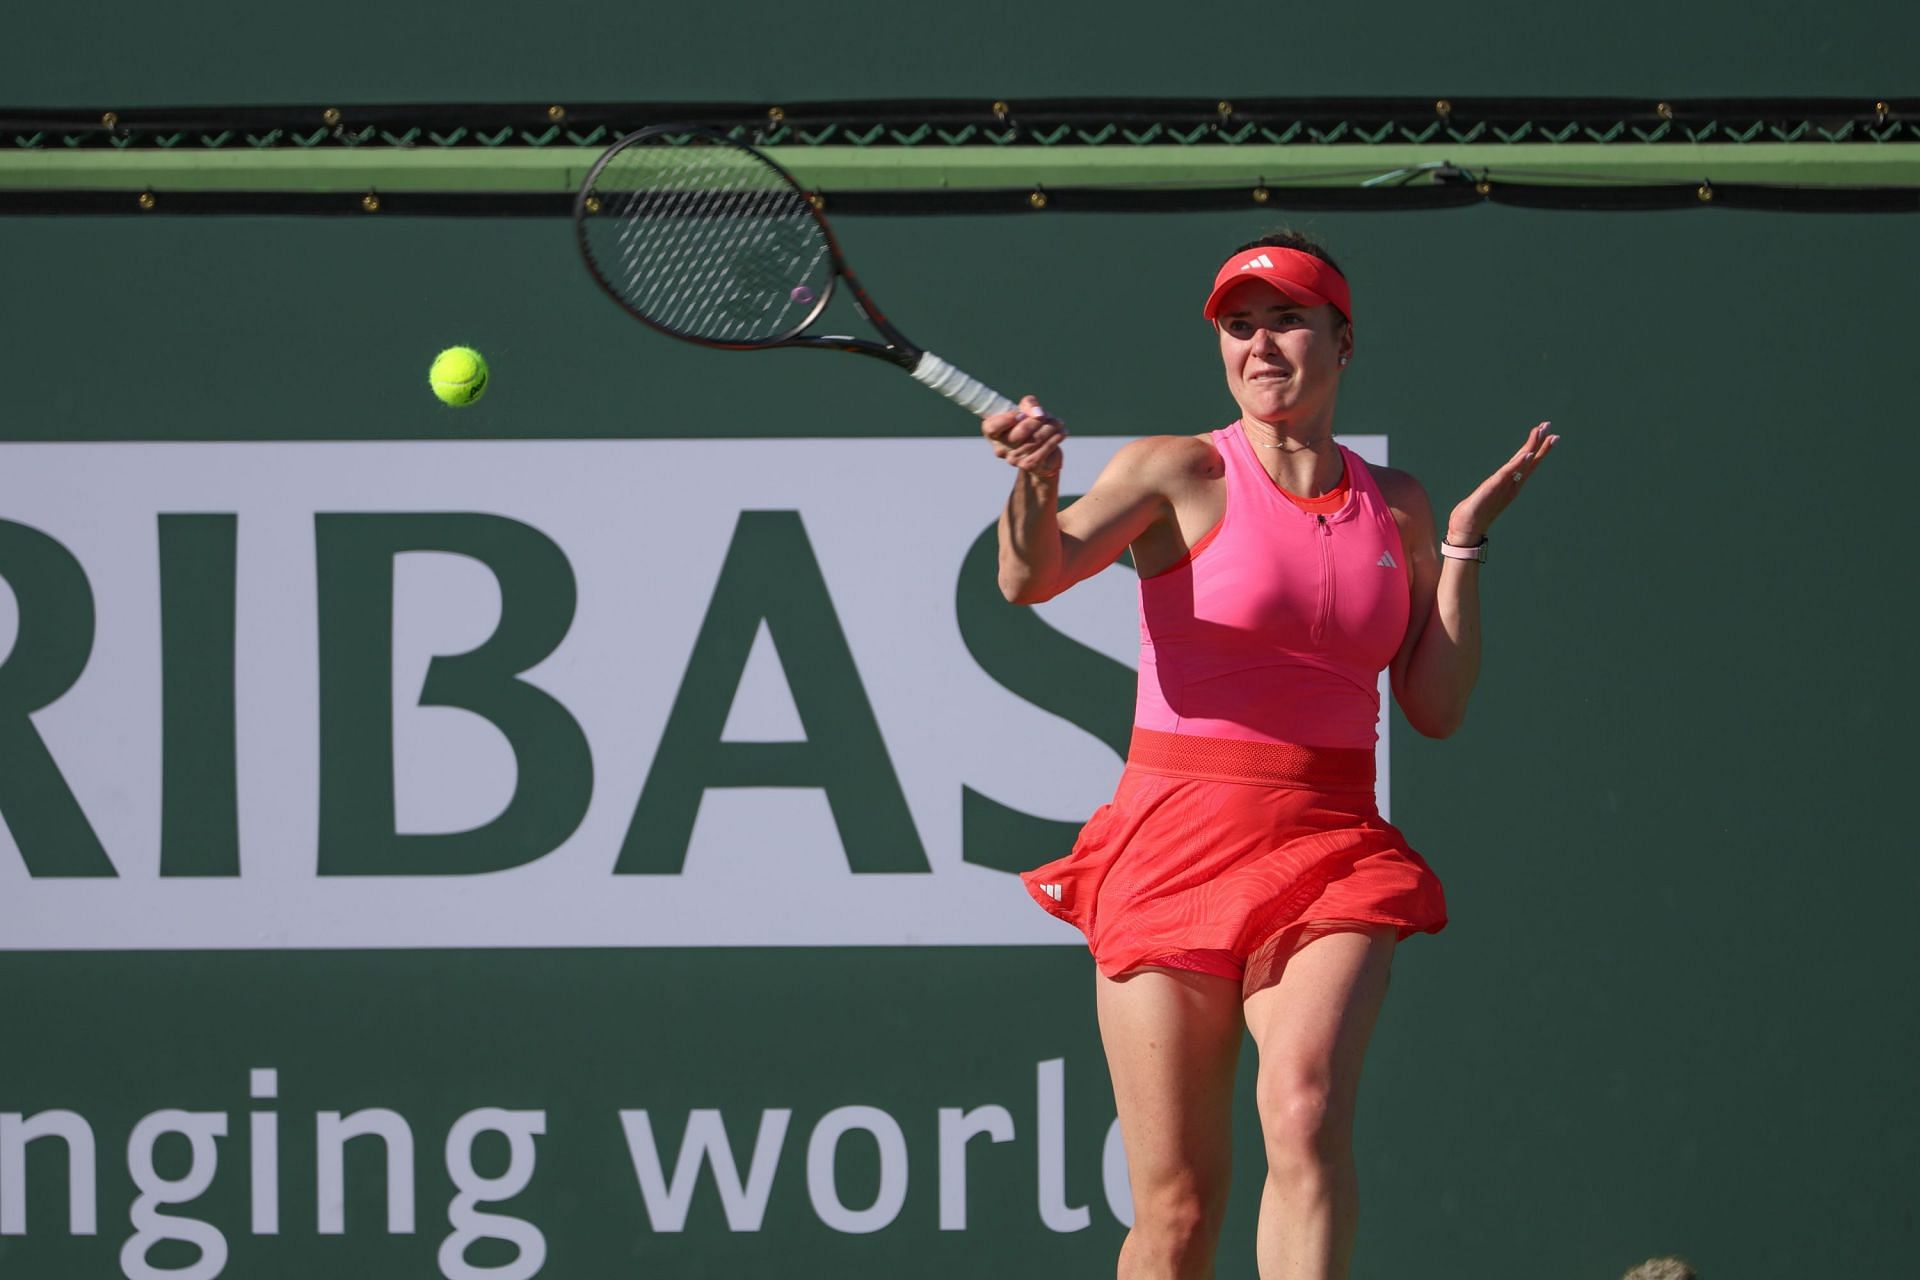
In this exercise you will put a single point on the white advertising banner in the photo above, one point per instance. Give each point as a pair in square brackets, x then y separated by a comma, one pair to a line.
[651, 532]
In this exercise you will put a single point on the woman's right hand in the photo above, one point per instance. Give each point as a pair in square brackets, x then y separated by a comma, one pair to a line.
[1027, 438]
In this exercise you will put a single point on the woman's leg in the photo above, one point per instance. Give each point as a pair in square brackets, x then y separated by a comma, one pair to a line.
[1311, 1026]
[1172, 1040]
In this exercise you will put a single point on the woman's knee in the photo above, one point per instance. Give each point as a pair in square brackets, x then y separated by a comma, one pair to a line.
[1305, 1121]
[1178, 1218]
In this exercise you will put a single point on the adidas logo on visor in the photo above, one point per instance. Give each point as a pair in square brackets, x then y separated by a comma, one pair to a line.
[1262, 261]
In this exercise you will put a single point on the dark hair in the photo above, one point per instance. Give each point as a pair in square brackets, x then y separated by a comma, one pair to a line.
[1285, 239]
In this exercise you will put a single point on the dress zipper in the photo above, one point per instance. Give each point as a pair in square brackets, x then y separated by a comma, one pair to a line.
[1326, 578]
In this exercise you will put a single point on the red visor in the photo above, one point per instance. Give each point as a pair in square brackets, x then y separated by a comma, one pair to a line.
[1301, 276]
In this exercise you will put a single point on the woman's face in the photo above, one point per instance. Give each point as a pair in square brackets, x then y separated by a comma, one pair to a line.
[1282, 358]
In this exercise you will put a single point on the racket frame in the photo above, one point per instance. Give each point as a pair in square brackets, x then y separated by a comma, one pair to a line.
[896, 348]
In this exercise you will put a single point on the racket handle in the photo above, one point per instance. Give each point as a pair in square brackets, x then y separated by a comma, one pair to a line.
[969, 392]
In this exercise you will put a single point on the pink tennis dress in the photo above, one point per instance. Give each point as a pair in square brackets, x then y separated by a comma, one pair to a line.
[1244, 824]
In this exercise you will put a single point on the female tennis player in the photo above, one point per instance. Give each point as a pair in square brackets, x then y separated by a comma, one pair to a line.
[1242, 873]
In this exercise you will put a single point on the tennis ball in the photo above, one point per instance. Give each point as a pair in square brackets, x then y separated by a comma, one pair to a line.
[458, 376]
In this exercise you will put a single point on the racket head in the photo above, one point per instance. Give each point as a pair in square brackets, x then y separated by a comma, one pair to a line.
[705, 238]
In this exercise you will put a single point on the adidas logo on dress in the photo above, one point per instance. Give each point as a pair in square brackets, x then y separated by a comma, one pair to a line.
[1386, 560]
[1052, 891]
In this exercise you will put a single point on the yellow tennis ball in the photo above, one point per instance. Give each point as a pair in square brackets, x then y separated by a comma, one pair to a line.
[458, 376]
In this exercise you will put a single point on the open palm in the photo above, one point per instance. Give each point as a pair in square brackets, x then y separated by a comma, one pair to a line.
[1475, 513]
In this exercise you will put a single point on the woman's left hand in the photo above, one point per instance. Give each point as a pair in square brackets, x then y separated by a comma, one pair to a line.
[1478, 510]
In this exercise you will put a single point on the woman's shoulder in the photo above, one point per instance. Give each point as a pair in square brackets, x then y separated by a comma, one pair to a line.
[1403, 493]
[1395, 485]
[1172, 460]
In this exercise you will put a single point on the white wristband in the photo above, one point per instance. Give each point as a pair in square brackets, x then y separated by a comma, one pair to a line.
[1478, 551]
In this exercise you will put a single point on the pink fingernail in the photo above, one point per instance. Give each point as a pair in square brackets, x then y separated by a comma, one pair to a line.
[1036, 412]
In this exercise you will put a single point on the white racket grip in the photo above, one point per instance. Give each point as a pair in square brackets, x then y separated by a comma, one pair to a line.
[969, 392]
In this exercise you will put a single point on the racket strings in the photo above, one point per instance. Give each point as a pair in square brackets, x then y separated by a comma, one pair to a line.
[725, 294]
[680, 278]
[646, 213]
[707, 241]
[665, 287]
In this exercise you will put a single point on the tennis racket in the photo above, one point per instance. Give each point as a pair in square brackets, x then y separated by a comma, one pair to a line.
[708, 240]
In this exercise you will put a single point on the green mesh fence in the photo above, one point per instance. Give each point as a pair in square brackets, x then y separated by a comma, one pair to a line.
[1043, 153]
[1060, 123]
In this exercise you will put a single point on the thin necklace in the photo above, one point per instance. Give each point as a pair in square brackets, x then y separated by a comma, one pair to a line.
[1262, 444]
[1296, 448]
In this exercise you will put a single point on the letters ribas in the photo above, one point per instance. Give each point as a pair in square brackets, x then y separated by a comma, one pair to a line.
[356, 672]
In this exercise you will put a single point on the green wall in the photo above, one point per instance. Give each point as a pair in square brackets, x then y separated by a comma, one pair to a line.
[1673, 1011]
[1668, 1013]
[129, 54]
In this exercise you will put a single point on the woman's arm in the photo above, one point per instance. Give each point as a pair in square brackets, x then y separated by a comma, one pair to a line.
[1439, 660]
[1043, 550]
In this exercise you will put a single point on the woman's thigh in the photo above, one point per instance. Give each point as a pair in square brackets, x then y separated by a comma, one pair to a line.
[1172, 1039]
[1311, 1025]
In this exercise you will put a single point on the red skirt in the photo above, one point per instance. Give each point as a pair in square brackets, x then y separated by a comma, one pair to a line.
[1216, 853]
